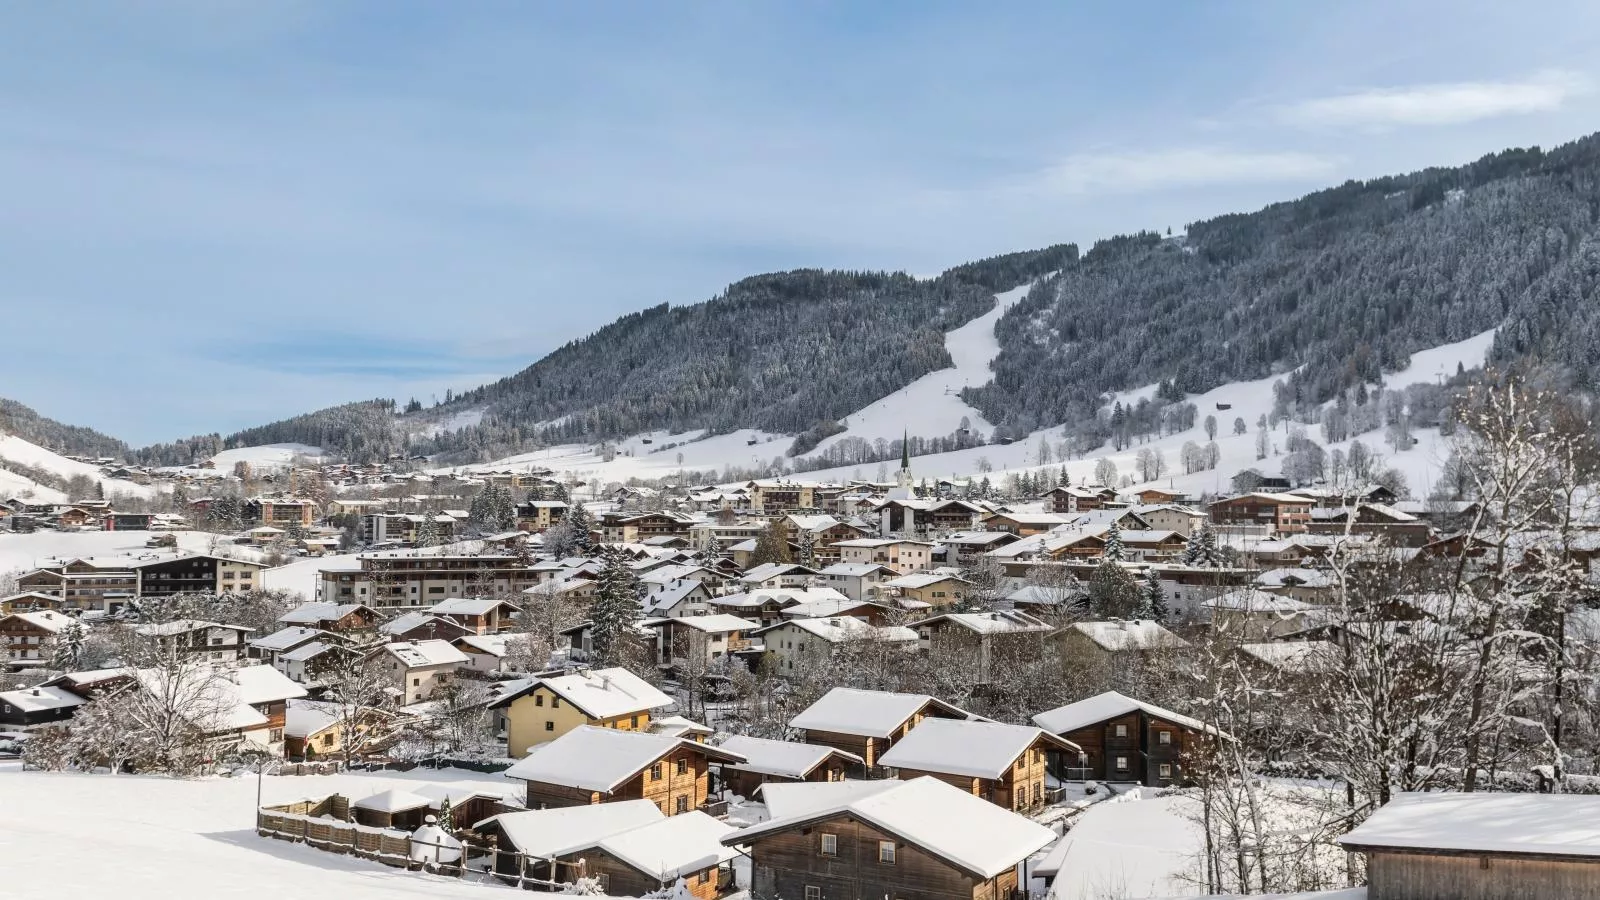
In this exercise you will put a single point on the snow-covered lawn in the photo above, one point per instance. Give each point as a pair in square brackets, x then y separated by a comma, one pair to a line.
[135, 838]
[265, 456]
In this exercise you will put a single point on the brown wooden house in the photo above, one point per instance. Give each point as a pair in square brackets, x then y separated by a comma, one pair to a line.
[600, 765]
[1003, 764]
[1280, 513]
[891, 839]
[1481, 846]
[1122, 739]
[868, 723]
[339, 618]
[768, 760]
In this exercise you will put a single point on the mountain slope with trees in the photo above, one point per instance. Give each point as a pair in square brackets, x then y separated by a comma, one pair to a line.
[74, 440]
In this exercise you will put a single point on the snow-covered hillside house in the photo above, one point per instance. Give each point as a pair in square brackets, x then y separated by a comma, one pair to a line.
[868, 723]
[590, 765]
[1079, 498]
[340, 618]
[787, 762]
[231, 706]
[540, 710]
[967, 546]
[1025, 524]
[479, 615]
[632, 528]
[1445, 846]
[767, 606]
[419, 668]
[773, 576]
[677, 598]
[698, 643]
[28, 638]
[920, 838]
[777, 496]
[798, 646]
[1280, 513]
[209, 642]
[541, 515]
[267, 647]
[1003, 764]
[935, 589]
[978, 639]
[1170, 517]
[1122, 739]
[858, 581]
[904, 556]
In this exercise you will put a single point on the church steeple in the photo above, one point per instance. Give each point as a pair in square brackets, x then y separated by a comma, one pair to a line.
[902, 479]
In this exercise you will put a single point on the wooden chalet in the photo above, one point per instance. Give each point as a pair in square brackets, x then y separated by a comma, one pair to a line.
[783, 761]
[1003, 764]
[889, 839]
[1280, 513]
[868, 723]
[341, 618]
[591, 765]
[1481, 846]
[1122, 739]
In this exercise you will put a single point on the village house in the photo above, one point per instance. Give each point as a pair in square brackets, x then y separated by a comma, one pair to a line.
[677, 599]
[396, 580]
[775, 497]
[769, 761]
[1310, 585]
[934, 589]
[197, 573]
[1480, 846]
[858, 581]
[773, 576]
[267, 648]
[546, 839]
[1101, 643]
[419, 668]
[1396, 528]
[307, 663]
[1076, 499]
[974, 642]
[479, 615]
[802, 645]
[968, 546]
[1184, 520]
[31, 601]
[419, 626]
[496, 654]
[767, 606]
[29, 638]
[869, 611]
[821, 532]
[231, 706]
[85, 584]
[1025, 524]
[209, 642]
[37, 708]
[699, 643]
[589, 765]
[868, 723]
[1122, 739]
[903, 556]
[1256, 615]
[889, 839]
[631, 528]
[654, 857]
[1003, 764]
[1281, 513]
[312, 729]
[281, 512]
[541, 515]
[340, 618]
[540, 710]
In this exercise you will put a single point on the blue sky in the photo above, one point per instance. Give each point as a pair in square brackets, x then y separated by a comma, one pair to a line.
[216, 213]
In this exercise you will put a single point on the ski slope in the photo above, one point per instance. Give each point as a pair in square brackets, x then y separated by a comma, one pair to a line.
[266, 456]
[931, 406]
[16, 449]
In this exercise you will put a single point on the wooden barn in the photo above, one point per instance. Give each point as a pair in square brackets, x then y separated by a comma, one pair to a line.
[1452, 846]
[868, 723]
[768, 760]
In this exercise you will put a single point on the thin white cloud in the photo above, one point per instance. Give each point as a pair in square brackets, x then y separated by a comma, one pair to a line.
[1441, 104]
[1137, 171]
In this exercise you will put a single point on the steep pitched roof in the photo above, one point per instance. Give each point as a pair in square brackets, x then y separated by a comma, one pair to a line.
[1108, 705]
[867, 713]
[602, 759]
[785, 759]
[960, 747]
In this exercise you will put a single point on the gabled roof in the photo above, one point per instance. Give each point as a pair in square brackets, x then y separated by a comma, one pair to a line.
[918, 580]
[720, 623]
[837, 629]
[545, 833]
[314, 612]
[416, 654]
[1513, 824]
[867, 713]
[673, 847]
[43, 619]
[1109, 705]
[286, 638]
[1000, 622]
[961, 747]
[597, 693]
[185, 626]
[769, 571]
[393, 800]
[602, 759]
[857, 570]
[41, 698]
[971, 834]
[412, 620]
[787, 799]
[468, 606]
[784, 759]
[1114, 636]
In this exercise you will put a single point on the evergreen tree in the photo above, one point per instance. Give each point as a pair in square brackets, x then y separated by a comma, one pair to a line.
[67, 655]
[1153, 599]
[772, 546]
[427, 531]
[447, 816]
[1114, 550]
[615, 608]
[1113, 593]
[1201, 551]
[808, 548]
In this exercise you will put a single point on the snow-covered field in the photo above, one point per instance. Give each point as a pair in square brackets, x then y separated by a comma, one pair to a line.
[300, 576]
[23, 552]
[266, 456]
[1130, 848]
[135, 838]
[18, 450]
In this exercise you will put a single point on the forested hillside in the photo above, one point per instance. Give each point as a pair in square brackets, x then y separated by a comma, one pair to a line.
[1343, 285]
[74, 440]
[1346, 282]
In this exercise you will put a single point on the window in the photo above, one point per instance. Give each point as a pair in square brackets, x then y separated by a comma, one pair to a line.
[813, 892]
[1122, 764]
[416, 682]
[655, 772]
[1163, 737]
[555, 702]
[682, 805]
[1166, 770]
[886, 852]
[538, 699]
[633, 722]
[830, 844]
[327, 740]
[605, 882]
[275, 735]
[705, 876]
[683, 767]
[549, 726]
[1122, 731]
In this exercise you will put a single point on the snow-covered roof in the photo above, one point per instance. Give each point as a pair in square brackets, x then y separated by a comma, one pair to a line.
[920, 580]
[785, 759]
[417, 654]
[44, 620]
[606, 693]
[1140, 634]
[1541, 824]
[672, 847]
[966, 831]
[601, 759]
[769, 571]
[1294, 577]
[39, 699]
[184, 626]
[677, 726]
[781, 596]
[1108, 705]
[458, 794]
[393, 800]
[866, 713]
[1251, 600]
[838, 629]
[719, 623]
[999, 622]
[1295, 656]
[962, 747]
[545, 833]
[856, 570]
[304, 718]
[222, 700]
[787, 799]
[1037, 594]
[306, 652]
[816, 609]
[468, 606]
[286, 638]
[493, 644]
